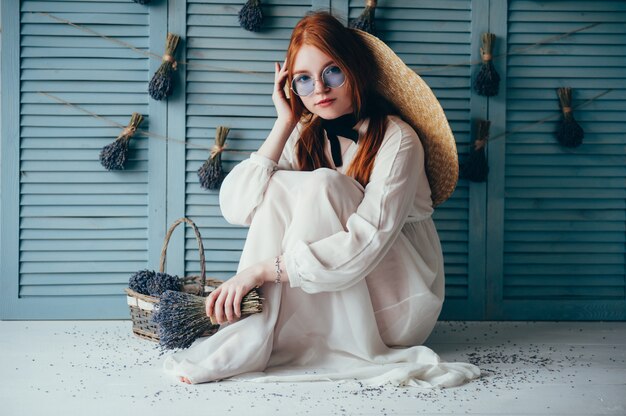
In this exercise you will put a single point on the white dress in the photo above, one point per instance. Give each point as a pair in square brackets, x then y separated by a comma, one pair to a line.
[365, 267]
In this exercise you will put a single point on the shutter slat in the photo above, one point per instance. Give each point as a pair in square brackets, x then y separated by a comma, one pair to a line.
[33, 279]
[79, 7]
[82, 223]
[83, 234]
[92, 290]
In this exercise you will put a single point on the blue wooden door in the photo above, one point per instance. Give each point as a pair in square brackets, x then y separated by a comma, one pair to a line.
[559, 214]
[228, 81]
[72, 232]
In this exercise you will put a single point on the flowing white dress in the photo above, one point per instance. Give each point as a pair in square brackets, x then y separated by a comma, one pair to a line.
[365, 267]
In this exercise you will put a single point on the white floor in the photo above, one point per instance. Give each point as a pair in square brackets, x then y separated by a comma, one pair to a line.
[529, 368]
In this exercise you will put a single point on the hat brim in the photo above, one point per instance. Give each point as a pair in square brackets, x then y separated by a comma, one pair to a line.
[419, 107]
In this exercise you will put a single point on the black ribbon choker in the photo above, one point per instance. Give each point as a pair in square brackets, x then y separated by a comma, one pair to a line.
[340, 126]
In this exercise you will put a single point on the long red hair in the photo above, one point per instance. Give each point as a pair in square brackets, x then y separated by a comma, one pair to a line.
[323, 31]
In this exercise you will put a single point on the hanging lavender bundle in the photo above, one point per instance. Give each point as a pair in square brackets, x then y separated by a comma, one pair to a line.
[568, 133]
[251, 16]
[162, 83]
[366, 20]
[139, 281]
[211, 173]
[113, 155]
[475, 167]
[181, 317]
[487, 82]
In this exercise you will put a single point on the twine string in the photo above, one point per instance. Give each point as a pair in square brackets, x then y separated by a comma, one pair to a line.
[554, 38]
[266, 75]
[141, 132]
[215, 148]
[93, 32]
[129, 131]
[479, 144]
[169, 58]
[148, 53]
[543, 120]
[515, 52]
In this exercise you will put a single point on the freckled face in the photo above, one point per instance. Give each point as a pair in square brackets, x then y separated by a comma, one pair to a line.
[313, 61]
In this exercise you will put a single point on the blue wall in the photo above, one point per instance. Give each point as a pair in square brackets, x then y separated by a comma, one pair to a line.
[543, 238]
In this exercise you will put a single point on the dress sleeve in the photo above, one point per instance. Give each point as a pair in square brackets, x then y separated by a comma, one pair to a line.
[340, 260]
[242, 190]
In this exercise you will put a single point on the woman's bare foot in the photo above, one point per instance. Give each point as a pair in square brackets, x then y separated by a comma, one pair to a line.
[184, 379]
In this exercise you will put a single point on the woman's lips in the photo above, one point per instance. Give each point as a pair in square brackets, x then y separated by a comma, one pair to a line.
[326, 103]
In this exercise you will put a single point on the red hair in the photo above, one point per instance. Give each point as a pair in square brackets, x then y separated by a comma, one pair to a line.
[323, 31]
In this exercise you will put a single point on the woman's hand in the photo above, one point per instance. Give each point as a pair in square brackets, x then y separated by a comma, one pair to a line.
[224, 303]
[283, 108]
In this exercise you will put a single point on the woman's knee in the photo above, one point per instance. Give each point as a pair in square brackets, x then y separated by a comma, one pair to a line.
[410, 322]
[329, 182]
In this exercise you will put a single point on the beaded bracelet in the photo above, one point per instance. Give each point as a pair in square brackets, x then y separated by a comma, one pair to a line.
[278, 270]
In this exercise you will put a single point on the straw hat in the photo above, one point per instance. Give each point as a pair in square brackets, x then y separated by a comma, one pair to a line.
[419, 107]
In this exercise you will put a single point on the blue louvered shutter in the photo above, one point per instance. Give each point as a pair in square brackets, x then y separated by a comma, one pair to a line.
[82, 230]
[428, 36]
[564, 215]
[241, 101]
[542, 239]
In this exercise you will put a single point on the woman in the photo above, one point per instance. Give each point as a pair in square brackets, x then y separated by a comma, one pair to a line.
[341, 242]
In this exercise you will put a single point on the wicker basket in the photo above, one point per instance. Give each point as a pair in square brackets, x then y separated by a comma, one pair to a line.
[142, 306]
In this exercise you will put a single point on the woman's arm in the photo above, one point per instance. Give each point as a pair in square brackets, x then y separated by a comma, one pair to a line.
[272, 147]
[244, 187]
[268, 270]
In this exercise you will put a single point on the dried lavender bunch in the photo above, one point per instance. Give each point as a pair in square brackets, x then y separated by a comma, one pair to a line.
[475, 168]
[251, 16]
[211, 173]
[113, 155]
[161, 282]
[487, 82]
[569, 133]
[139, 281]
[181, 317]
[366, 20]
[162, 83]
